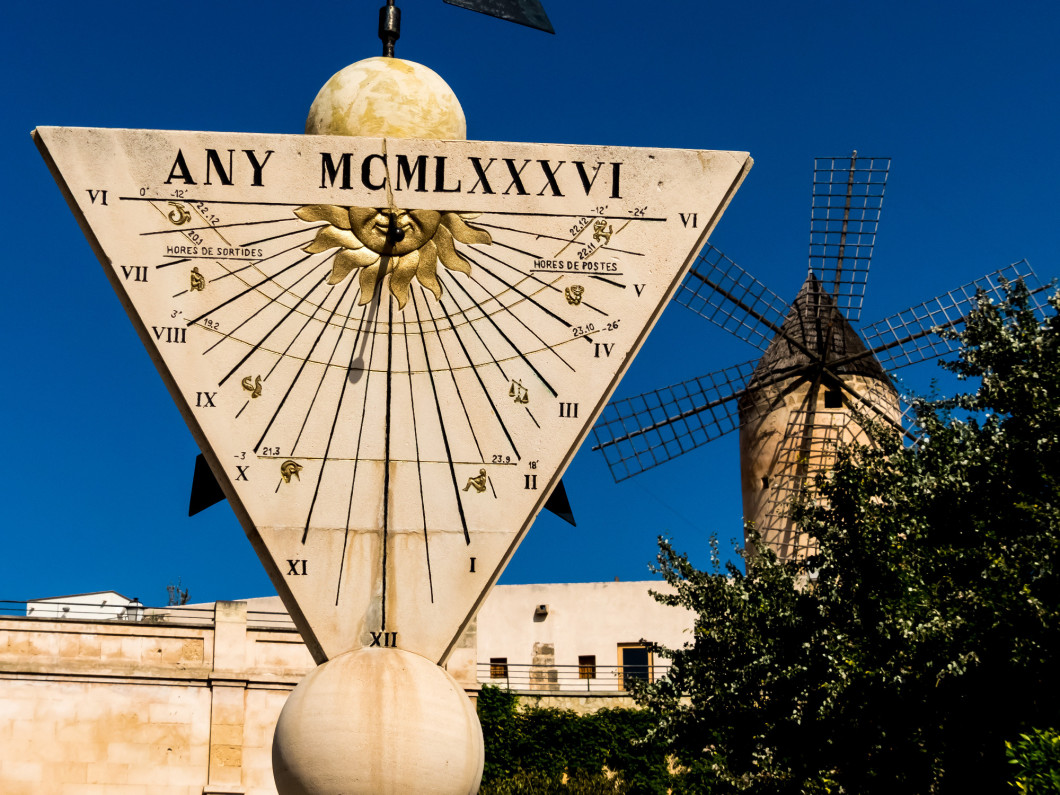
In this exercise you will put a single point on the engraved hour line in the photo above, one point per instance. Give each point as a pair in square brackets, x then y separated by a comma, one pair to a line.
[441, 422]
[331, 359]
[529, 274]
[308, 319]
[360, 435]
[537, 235]
[209, 226]
[532, 417]
[190, 199]
[419, 463]
[251, 289]
[259, 310]
[386, 443]
[562, 215]
[305, 359]
[569, 242]
[529, 298]
[220, 226]
[506, 339]
[254, 348]
[605, 280]
[475, 370]
[174, 262]
[327, 450]
[452, 376]
[524, 275]
[471, 324]
[510, 309]
[285, 234]
[236, 271]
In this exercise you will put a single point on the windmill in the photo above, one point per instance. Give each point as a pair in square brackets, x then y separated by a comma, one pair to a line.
[818, 381]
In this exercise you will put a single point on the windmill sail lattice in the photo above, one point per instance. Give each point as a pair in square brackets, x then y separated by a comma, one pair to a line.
[818, 380]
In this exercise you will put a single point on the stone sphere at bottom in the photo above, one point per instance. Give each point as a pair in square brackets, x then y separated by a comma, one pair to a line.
[377, 721]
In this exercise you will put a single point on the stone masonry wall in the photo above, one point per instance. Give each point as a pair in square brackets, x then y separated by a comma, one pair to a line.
[169, 708]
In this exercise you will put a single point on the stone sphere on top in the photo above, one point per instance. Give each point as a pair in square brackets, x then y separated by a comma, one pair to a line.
[387, 97]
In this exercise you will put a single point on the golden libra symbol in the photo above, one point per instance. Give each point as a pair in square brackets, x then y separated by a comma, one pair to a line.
[519, 393]
[602, 231]
[253, 387]
[197, 280]
[478, 482]
[289, 469]
[179, 214]
[574, 294]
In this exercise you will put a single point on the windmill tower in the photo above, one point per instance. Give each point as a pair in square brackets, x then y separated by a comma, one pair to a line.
[818, 382]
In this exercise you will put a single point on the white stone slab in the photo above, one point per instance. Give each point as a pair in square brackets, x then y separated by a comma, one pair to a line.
[386, 449]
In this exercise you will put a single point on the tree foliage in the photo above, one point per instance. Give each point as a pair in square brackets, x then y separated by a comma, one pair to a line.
[549, 750]
[926, 630]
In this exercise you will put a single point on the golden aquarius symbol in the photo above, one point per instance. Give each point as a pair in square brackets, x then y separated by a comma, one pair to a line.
[197, 280]
[602, 231]
[253, 387]
[179, 214]
[478, 482]
[289, 469]
[574, 294]
[518, 392]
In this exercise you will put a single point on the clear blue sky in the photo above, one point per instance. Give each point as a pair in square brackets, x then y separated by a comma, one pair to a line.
[962, 96]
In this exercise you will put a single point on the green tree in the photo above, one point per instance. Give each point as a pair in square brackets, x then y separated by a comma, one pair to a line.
[926, 630]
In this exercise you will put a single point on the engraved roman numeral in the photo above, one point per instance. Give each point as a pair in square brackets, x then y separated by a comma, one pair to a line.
[242, 472]
[570, 410]
[689, 218]
[97, 194]
[136, 273]
[472, 566]
[530, 483]
[385, 639]
[294, 568]
[171, 333]
[606, 349]
[204, 400]
[639, 288]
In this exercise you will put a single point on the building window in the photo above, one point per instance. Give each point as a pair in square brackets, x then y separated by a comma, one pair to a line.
[635, 662]
[498, 667]
[587, 666]
[833, 399]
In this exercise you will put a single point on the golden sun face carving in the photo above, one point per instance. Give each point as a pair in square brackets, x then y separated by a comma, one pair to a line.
[401, 243]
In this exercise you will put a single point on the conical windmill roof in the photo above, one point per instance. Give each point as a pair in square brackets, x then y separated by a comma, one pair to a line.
[812, 311]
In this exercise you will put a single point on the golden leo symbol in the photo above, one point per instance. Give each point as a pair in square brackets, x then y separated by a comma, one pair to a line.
[197, 280]
[253, 387]
[179, 214]
[289, 469]
[602, 231]
[518, 392]
[478, 482]
[574, 294]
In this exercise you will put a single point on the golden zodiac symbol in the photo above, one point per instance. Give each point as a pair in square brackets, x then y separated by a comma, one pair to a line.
[479, 482]
[574, 294]
[253, 387]
[602, 229]
[197, 280]
[518, 391]
[289, 469]
[179, 214]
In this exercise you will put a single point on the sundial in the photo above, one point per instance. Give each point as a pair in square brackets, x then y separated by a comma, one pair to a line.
[389, 350]
[388, 342]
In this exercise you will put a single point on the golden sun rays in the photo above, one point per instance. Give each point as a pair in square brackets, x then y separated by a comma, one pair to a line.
[401, 243]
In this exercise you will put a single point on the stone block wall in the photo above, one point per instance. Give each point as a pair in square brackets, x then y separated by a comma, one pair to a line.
[182, 704]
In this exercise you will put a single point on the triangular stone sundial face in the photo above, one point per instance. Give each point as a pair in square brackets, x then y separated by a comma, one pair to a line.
[387, 442]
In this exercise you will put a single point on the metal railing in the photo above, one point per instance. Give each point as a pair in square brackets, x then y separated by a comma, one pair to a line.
[567, 678]
[172, 615]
